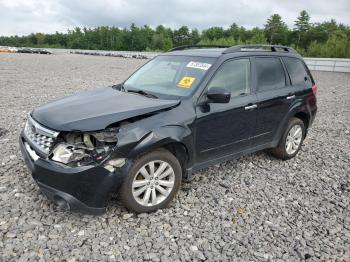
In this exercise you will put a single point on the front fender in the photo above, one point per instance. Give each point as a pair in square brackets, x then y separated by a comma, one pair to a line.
[135, 142]
[163, 136]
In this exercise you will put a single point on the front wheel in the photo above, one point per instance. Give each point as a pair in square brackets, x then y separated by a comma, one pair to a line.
[291, 140]
[152, 182]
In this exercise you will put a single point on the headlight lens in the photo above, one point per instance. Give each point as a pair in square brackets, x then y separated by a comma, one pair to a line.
[77, 156]
[80, 149]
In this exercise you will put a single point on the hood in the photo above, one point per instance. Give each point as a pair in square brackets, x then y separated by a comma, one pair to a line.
[96, 109]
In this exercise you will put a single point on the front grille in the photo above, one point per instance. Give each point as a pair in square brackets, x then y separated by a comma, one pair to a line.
[41, 138]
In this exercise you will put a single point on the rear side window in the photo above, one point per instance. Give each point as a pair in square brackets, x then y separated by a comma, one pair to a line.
[296, 70]
[270, 73]
[234, 76]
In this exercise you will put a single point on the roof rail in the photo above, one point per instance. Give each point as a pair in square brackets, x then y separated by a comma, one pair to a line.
[183, 47]
[257, 48]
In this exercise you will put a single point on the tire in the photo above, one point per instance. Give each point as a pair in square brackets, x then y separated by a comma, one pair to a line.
[131, 186]
[281, 151]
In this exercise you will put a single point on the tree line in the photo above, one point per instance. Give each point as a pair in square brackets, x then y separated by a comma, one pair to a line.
[327, 39]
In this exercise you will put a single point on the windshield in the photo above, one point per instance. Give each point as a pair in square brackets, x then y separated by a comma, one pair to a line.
[168, 76]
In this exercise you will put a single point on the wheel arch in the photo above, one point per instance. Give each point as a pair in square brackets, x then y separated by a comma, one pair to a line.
[297, 111]
[176, 140]
[180, 151]
[305, 118]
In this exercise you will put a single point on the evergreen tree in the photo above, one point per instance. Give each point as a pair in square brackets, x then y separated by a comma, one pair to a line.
[276, 30]
[327, 39]
[302, 27]
[182, 36]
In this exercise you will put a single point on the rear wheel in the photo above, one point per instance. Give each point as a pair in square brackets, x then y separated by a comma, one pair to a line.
[291, 140]
[152, 182]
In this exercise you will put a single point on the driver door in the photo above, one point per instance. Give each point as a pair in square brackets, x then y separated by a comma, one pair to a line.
[223, 129]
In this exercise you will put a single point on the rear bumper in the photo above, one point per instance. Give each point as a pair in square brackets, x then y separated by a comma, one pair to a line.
[312, 117]
[83, 189]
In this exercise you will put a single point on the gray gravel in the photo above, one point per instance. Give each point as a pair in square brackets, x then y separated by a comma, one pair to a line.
[255, 208]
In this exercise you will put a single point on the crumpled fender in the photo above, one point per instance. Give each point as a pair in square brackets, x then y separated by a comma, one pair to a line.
[162, 136]
[171, 126]
[138, 141]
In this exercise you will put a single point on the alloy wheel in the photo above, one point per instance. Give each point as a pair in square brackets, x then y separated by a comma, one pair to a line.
[153, 183]
[293, 139]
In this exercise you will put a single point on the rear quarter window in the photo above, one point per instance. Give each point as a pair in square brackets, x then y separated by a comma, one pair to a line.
[270, 73]
[296, 70]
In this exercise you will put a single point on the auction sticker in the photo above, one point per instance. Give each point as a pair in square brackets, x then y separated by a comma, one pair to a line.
[199, 65]
[186, 82]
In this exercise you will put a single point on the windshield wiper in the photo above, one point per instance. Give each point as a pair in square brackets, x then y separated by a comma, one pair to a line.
[141, 92]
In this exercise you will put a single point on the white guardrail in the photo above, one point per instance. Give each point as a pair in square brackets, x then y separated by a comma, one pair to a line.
[318, 64]
[328, 64]
[126, 54]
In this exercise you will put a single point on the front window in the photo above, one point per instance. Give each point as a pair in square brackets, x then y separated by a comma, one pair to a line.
[169, 76]
[234, 76]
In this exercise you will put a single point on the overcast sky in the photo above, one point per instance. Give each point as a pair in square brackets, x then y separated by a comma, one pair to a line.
[27, 16]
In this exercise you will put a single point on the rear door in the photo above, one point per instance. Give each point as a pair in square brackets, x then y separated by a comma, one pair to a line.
[275, 96]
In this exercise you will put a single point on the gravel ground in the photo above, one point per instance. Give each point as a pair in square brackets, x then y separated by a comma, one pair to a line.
[256, 208]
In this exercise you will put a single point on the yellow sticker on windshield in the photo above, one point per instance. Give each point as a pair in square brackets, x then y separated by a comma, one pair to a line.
[186, 82]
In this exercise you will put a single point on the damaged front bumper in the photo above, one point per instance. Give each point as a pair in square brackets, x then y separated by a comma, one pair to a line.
[85, 189]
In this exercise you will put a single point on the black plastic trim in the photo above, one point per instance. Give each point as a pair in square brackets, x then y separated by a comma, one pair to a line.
[183, 47]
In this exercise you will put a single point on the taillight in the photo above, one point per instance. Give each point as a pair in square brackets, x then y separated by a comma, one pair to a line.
[314, 89]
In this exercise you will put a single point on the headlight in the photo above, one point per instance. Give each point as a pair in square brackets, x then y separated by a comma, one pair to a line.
[65, 154]
[80, 149]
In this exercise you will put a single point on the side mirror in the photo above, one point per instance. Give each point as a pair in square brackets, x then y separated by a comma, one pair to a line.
[218, 95]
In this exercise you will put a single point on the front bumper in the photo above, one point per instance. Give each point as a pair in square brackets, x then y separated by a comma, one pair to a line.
[83, 189]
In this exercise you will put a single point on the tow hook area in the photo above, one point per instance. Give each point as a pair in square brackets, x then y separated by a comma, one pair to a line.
[68, 202]
[61, 202]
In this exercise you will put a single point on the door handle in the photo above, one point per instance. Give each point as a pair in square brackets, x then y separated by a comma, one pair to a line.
[290, 97]
[251, 107]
